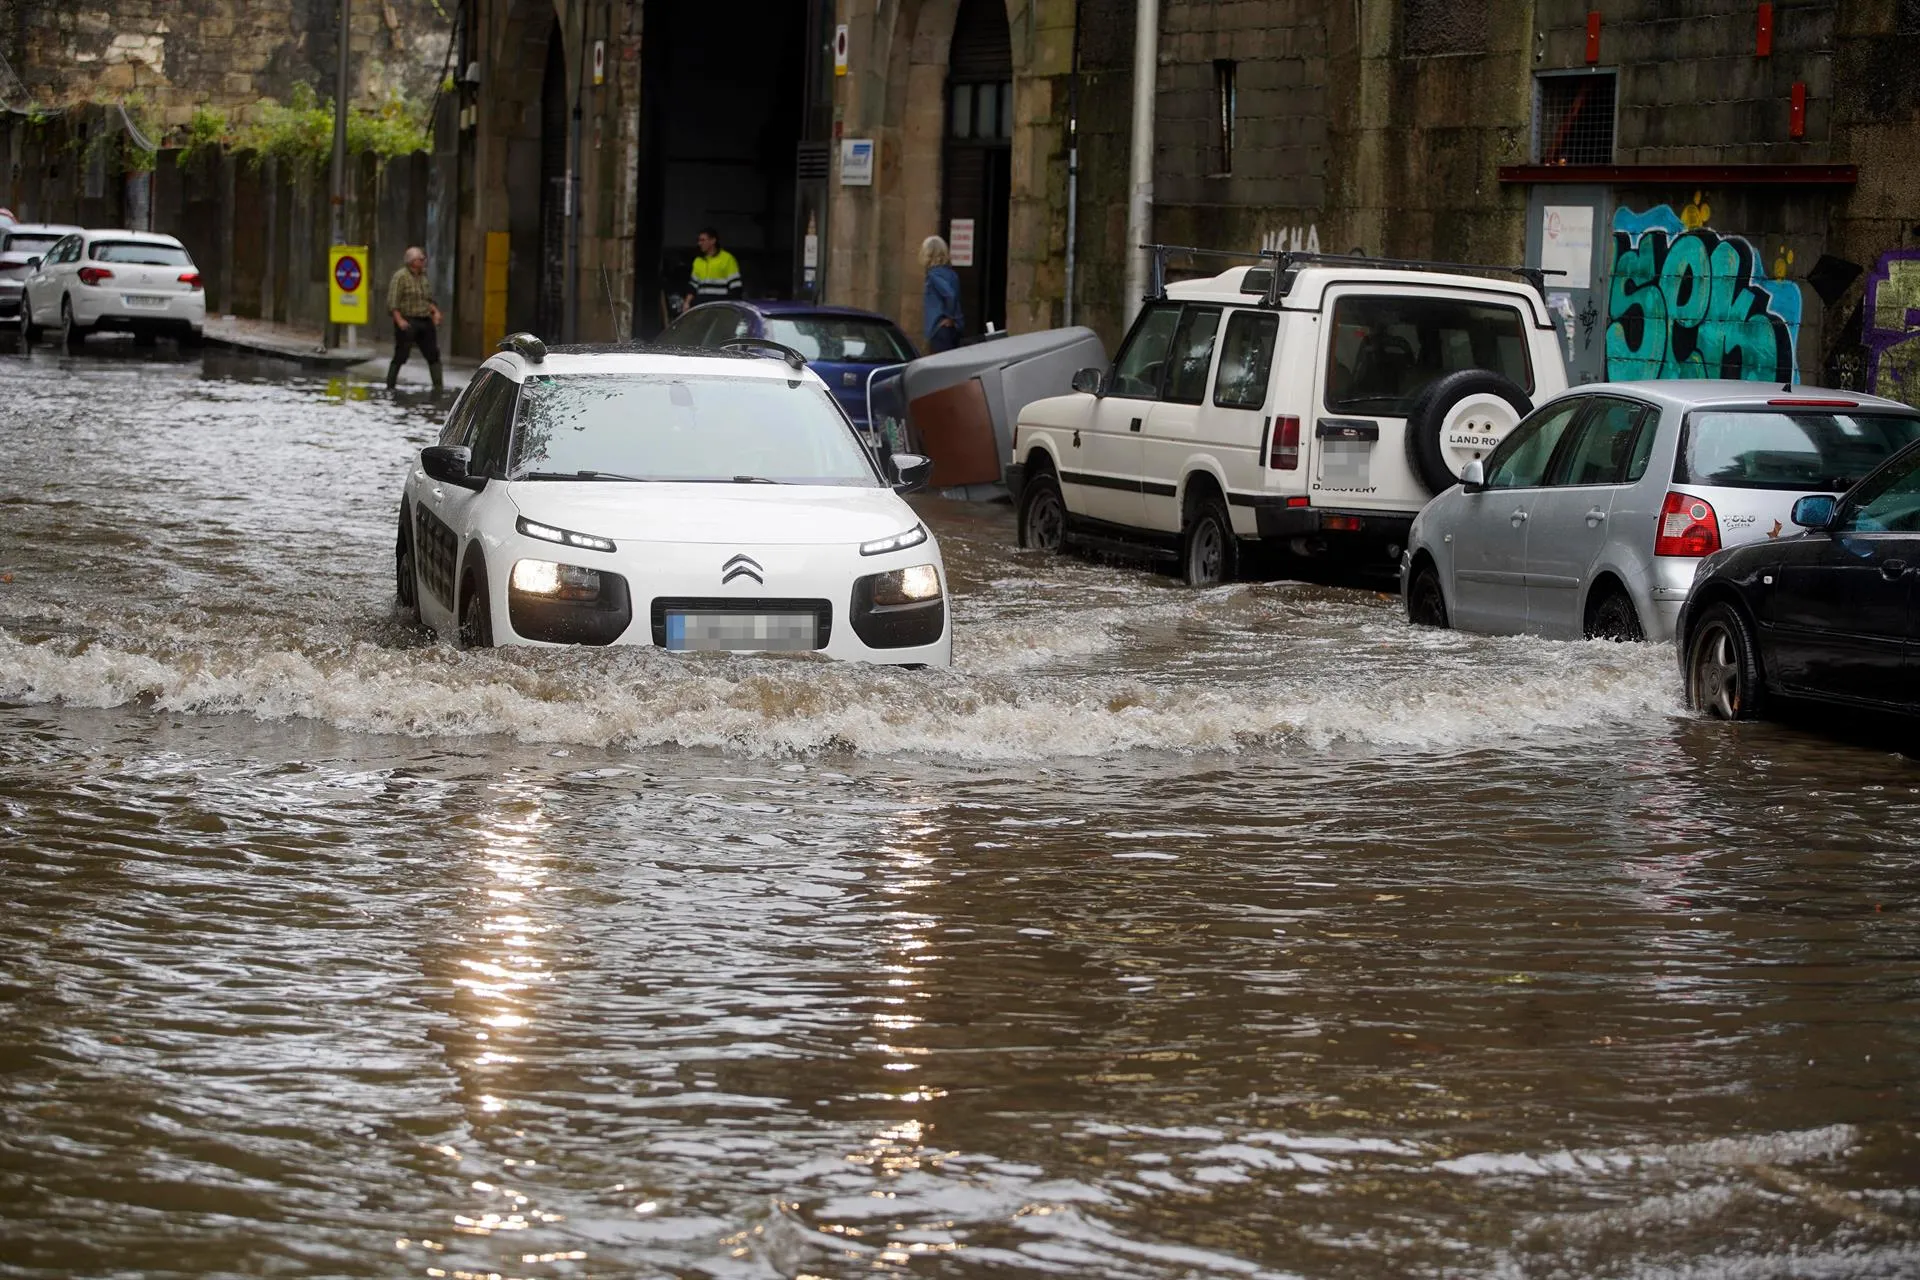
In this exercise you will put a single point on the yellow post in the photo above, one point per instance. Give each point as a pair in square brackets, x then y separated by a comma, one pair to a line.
[493, 316]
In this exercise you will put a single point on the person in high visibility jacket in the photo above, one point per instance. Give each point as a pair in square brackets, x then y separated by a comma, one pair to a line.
[716, 275]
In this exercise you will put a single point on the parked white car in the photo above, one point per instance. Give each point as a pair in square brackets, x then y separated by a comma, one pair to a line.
[122, 281]
[693, 500]
[20, 244]
[1318, 401]
[1591, 517]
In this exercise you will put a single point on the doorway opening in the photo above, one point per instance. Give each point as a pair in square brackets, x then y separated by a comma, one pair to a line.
[550, 304]
[977, 158]
[723, 86]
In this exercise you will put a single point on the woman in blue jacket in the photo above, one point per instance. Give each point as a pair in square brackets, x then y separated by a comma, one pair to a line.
[944, 319]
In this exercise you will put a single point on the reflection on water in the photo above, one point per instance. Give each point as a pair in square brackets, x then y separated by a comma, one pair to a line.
[1242, 932]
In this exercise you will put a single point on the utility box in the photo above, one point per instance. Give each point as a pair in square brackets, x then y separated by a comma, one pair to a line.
[961, 405]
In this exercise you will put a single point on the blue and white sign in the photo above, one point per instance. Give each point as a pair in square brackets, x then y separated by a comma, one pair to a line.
[856, 162]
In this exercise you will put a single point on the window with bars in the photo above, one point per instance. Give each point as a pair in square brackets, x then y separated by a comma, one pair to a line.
[1573, 118]
[1225, 107]
[982, 112]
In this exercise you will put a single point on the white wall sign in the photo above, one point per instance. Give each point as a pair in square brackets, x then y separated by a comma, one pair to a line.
[599, 61]
[840, 50]
[1566, 244]
[856, 162]
[960, 242]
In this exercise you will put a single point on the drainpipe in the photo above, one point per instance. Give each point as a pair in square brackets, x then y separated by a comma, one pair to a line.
[573, 179]
[1073, 164]
[1146, 62]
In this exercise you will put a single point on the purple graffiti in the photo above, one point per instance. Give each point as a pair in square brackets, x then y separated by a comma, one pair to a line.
[1890, 326]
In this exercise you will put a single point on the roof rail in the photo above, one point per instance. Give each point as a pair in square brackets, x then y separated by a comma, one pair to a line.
[524, 345]
[1287, 264]
[766, 347]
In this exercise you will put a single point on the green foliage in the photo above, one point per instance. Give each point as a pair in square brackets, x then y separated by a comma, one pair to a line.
[207, 133]
[301, 131]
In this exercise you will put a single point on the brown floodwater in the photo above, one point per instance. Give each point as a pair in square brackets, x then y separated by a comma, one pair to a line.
[1245, 932]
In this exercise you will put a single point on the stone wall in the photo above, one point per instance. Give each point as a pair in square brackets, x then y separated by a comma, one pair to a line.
[229, 54]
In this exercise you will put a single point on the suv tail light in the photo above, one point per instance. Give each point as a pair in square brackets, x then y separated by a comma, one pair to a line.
[94, 275]
[1286, 445]
[1688, 527]
[191, 279]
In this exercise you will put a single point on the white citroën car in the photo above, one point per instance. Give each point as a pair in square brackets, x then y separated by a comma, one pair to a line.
[685, 500]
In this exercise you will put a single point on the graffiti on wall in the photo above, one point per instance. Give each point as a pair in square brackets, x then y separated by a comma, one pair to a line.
[1294, 239]
[1689, 302]
[1892, 326]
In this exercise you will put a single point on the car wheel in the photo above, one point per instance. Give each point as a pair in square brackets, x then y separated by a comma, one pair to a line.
[1426, 603]
[1043, 514]
[193, 339]
[145, 338]
[404, 590]
[476, 616]
[1723, 666]
[1209, 553]
[29, 331]
[1613, 618]
[72, 334]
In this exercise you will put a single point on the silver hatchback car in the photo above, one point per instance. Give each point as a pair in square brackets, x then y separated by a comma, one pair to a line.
[1590, 516]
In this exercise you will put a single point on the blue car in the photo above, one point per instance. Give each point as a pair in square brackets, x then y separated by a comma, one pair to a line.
[841, 344]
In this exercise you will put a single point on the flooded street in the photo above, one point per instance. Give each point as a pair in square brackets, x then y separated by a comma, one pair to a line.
[1246, 932]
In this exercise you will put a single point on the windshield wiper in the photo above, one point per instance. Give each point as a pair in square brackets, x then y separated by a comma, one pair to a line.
[582, 475]
[753, 480]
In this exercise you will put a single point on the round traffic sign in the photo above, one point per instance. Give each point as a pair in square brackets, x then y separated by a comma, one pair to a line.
[346, 273]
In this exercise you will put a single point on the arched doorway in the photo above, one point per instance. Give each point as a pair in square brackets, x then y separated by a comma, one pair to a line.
[977, 157]
[550, 310]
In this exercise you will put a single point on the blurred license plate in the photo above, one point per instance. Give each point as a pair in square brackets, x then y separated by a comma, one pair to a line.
[763, 631]
[143, 300]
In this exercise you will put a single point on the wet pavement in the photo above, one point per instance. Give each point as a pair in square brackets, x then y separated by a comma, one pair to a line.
[1244, 932]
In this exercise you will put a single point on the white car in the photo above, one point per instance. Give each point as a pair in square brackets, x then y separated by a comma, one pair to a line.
[123, 281]
[1315, 401]
[1591, 517]
[20, 244]
[685, 500]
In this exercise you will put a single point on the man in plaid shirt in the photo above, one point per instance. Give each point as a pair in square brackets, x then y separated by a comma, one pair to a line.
[415, 317]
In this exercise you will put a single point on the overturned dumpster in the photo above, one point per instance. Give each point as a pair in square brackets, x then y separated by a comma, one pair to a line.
[959, 407]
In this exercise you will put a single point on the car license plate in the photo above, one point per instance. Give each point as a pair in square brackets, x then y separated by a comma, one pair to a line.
[143, 300]
[766, 632]
[1344, 463]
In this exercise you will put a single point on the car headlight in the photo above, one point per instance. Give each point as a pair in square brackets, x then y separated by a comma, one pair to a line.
[558, 581]
[907, 586]
[565, 537]
[898, 542]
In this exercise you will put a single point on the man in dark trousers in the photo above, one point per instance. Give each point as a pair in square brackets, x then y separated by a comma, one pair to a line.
[415, 317]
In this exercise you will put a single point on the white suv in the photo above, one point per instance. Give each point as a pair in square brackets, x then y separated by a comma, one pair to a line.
[1319, 400]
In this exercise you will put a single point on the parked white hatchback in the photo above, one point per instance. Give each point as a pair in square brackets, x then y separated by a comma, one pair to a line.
[1591, 516]
[686, 500]
[114, 281]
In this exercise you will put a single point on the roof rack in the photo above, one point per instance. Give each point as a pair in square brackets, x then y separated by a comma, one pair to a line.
[1287, 264]
[766, 347]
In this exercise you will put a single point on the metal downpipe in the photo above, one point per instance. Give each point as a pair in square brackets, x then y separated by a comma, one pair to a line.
[1146, 62]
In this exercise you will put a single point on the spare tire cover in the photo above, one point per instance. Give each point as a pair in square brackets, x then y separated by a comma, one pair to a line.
[1457, 418]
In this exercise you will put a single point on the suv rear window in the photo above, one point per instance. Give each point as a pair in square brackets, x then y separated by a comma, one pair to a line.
[1811, 449]
[1385, 349]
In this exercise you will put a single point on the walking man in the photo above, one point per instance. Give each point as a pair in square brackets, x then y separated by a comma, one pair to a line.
[716, 275]
[416, 316]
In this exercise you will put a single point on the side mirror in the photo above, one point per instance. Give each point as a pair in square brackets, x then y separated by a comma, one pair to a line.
[1088, 381]
[1473, 477]
[1814, 512]
[911, 470]
[32, 263]
[447, 463]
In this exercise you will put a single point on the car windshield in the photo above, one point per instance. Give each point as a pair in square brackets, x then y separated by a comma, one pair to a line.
[840, 339]
[684, 427]
[138, 254]
[30, 244]
[1807, 449]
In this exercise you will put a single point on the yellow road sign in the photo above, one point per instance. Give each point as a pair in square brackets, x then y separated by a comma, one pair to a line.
[347, 284]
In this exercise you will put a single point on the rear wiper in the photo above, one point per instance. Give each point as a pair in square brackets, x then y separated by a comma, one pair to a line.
[753, 480]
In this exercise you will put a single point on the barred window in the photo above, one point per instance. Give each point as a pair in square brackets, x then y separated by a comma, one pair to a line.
[1225, 107]
[1573, 118]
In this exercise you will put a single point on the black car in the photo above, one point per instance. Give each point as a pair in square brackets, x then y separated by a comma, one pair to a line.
[1828, 616]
